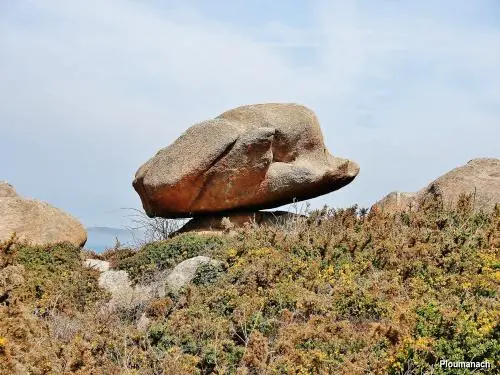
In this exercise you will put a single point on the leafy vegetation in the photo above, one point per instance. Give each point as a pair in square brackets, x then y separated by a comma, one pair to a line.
[341, 292]
[159, 256]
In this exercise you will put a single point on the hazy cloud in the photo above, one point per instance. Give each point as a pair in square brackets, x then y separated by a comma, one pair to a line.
[90, 90]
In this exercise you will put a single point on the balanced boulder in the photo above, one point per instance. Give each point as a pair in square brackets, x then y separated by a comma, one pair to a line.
[36, 222]
[249, 158]
[479, 177]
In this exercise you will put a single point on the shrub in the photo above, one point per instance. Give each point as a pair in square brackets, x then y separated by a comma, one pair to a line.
[162, 255]
[343, 292]
[207, 274]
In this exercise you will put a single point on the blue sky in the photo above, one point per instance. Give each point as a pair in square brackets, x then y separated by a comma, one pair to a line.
[90, 90]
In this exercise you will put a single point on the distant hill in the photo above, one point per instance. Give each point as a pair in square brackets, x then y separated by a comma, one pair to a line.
[107, 230]
[101, 238]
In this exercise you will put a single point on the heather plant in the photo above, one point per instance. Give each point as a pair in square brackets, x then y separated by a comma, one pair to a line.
[161, 255]
[342, 291]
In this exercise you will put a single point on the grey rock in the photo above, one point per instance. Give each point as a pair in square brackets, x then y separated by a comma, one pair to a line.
[143, 323]
[184, 272]
[97, 264]
[115, 281]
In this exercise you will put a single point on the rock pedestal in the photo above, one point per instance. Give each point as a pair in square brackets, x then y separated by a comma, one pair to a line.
[230, 221]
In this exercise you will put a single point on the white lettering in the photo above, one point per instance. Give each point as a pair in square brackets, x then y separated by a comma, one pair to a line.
[463, 364]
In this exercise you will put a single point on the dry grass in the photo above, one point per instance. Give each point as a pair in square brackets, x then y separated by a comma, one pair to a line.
[343, 291]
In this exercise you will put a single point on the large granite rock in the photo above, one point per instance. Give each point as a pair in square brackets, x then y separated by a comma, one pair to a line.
[35, 221]
[7, 190]
[249, 158]
[480, 177]
[396, 201]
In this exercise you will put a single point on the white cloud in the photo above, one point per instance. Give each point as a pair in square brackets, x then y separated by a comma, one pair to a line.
[94, 88]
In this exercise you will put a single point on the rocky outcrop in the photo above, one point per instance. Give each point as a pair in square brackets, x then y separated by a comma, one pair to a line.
[118, 284]
[479, 177]
[396, 201]
[36, 222]
[99, 265]
[123, 293]
[249, 158]
[7, 190]
[184, 272]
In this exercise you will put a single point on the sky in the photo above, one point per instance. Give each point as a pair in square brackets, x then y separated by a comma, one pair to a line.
[90, 90]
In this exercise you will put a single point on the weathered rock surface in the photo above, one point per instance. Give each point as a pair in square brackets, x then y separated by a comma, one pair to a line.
[35, 221]
[100, 265]
[236, 220]
[396, 201]
[143, 323]
[480, 177]
[185, 271]
[118, 284]
[249, 158]
[7, 190]
[124, 294]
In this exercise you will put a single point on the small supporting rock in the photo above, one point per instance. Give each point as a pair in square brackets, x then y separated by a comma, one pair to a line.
[233, 220]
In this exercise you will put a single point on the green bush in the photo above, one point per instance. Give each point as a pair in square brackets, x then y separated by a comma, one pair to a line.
[56, 277]
[207, 274]
[344, 292]
[159, 256]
